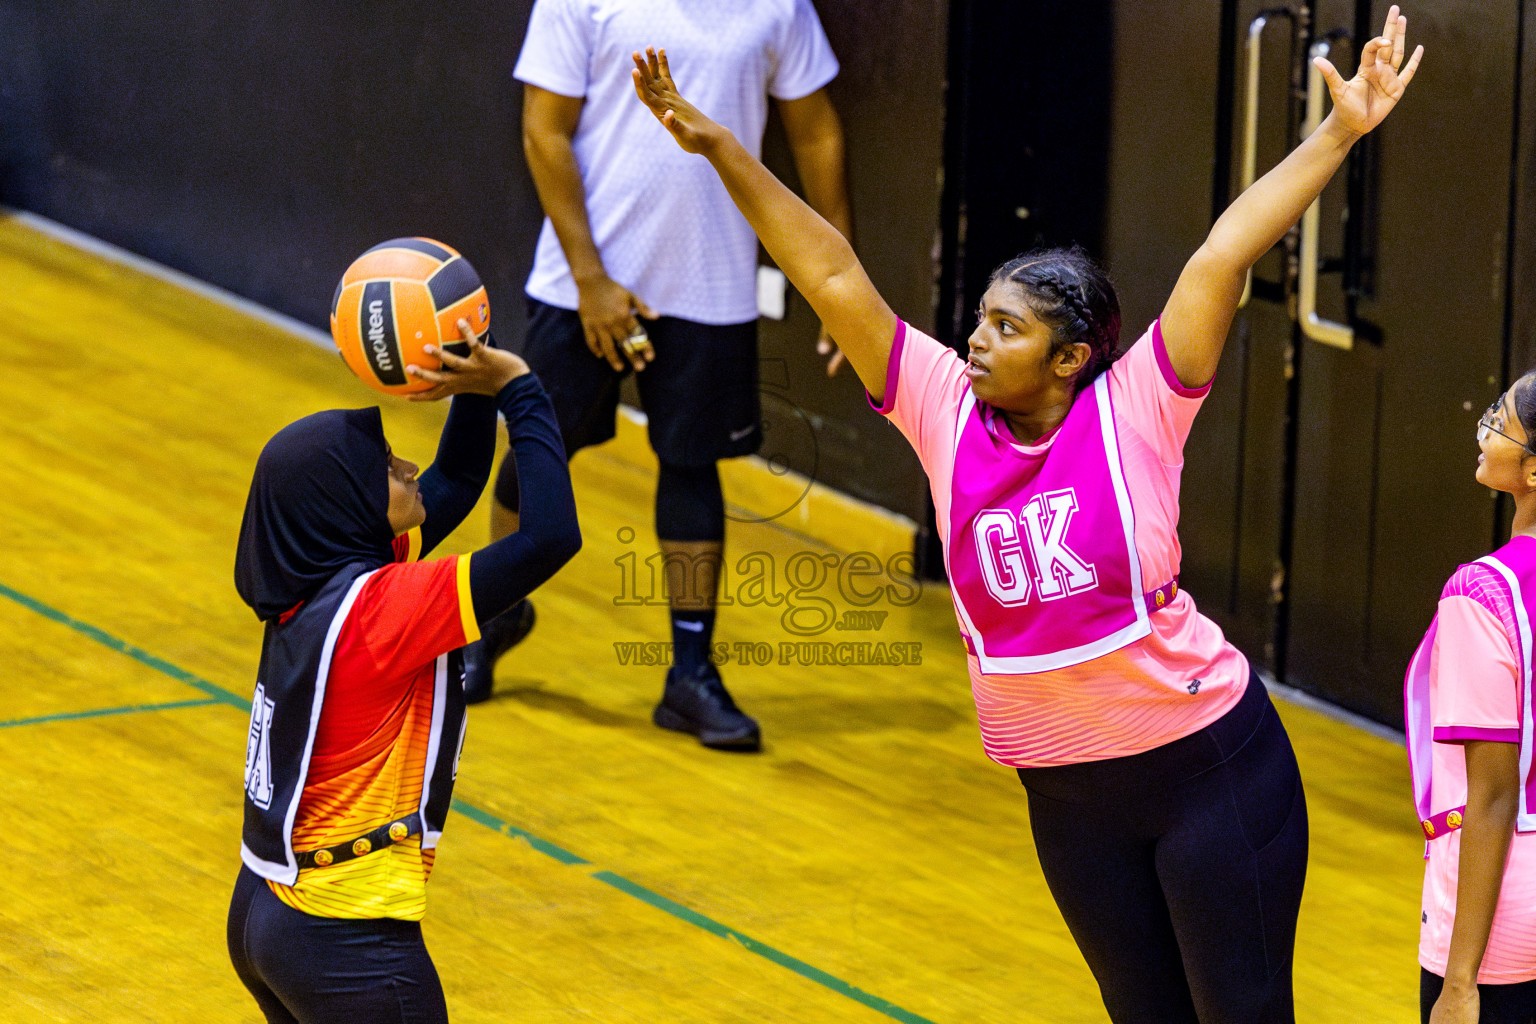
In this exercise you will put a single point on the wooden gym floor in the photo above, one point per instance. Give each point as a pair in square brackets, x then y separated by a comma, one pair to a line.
[870, 865]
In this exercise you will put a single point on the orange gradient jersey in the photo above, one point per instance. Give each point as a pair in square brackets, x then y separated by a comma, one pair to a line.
[374, 735]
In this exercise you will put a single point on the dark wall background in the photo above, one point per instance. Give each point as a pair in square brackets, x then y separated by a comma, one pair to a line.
[1522, 305]
[1026, 141]
[261, 147]
[1166, 92]
[1328, 494]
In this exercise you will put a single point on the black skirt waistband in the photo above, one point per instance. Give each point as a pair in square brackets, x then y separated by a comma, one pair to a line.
[1118, 777]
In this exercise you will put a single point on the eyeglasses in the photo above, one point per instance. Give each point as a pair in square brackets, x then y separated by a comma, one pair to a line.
[1485, 426]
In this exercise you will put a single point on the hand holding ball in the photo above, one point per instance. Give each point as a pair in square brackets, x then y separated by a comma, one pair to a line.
[396, 298]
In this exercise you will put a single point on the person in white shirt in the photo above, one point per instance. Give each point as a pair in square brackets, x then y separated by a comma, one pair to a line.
[645, 266]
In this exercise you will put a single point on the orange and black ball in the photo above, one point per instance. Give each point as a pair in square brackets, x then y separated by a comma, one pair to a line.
[397, 297]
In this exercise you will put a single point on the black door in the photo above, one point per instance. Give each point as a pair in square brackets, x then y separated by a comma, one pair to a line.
[1413, 254]
[1186, 110]
[1024, 155]
[1328, 485]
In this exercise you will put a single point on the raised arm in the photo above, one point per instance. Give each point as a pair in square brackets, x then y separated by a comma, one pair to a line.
[548, 535]
[467, 447]
[451, 486]
[815, 136]
[507, 570]
[1200, 310]
[813, 254]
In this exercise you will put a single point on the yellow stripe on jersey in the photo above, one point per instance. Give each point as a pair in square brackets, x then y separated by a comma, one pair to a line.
[413, 542]
[467, 603]
[387, 883]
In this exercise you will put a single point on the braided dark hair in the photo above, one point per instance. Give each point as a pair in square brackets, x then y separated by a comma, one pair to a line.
[1523, 397]
[1071, 295]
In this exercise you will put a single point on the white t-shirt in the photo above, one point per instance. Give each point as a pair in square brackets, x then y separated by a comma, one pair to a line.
[665, 226]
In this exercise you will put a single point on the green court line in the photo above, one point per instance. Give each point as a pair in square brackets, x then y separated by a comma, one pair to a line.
[800, 967]
[495, 824]
[219, 695]
[181, 675]
[126, 709]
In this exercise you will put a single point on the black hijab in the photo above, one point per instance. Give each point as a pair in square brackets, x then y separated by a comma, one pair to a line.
[319, 502]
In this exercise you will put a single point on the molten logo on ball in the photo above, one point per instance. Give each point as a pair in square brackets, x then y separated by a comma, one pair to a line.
[398, 297]
[377, 324]
[376, 335]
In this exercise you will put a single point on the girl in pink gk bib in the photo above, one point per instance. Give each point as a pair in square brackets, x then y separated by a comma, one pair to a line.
[1468, 708]
[1164, 797]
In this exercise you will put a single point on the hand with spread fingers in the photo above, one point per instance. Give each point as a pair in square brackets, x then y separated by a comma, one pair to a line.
[1362, 102]
[656, 89]
[484, 371]
[1197, 318]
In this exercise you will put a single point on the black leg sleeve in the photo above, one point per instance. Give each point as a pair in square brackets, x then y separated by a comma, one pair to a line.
[689, 504]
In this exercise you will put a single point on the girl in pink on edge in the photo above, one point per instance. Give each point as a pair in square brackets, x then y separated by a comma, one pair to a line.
[1164, 798]
[1468, 707]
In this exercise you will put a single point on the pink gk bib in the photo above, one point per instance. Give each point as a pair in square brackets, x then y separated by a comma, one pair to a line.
[1516, 567]
[1042, 548]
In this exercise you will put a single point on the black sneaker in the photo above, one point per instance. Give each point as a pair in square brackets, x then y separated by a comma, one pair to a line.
[697, 702]
[496, 638]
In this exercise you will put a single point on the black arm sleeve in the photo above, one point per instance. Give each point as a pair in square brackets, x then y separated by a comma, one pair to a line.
[547, 536]
[452, 484]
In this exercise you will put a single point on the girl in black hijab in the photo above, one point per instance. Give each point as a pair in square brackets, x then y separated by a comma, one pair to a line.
[358, 713]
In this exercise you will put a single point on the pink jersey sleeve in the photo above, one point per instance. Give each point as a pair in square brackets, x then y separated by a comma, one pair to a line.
[1474, 695]
[1477, 681]
[924, 383]
[1150, 400]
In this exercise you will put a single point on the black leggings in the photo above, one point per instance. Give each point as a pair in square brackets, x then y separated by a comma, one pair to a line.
[303, 969]
[1497, 1004]
[1179, 870]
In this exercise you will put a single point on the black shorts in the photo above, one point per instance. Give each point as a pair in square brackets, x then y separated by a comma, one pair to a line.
[303, 969]
[700, 394]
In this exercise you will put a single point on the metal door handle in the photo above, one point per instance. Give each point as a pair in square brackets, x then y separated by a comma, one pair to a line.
[1251, 125]
[1313, 326]
[1249, 169]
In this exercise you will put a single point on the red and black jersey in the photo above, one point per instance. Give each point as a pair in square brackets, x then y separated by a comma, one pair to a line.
[358, 715]
[358, 721]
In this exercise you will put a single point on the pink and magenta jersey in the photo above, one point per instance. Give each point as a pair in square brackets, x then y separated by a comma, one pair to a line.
[1041, 551]
[1474, 694]
[1174, 678]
